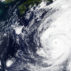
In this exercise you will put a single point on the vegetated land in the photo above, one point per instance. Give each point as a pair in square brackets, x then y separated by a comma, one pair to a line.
[26, 4]
[23, 7]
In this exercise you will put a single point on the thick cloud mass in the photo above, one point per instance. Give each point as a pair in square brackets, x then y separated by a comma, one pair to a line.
[45, 43]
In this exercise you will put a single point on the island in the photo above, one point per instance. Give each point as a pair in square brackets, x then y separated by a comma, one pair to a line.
[22, 7]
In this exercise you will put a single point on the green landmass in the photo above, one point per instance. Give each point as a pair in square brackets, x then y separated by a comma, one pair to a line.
[23, 6]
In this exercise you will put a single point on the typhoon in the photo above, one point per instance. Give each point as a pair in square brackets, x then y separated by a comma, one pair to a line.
[44, 44]
[56, 38]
